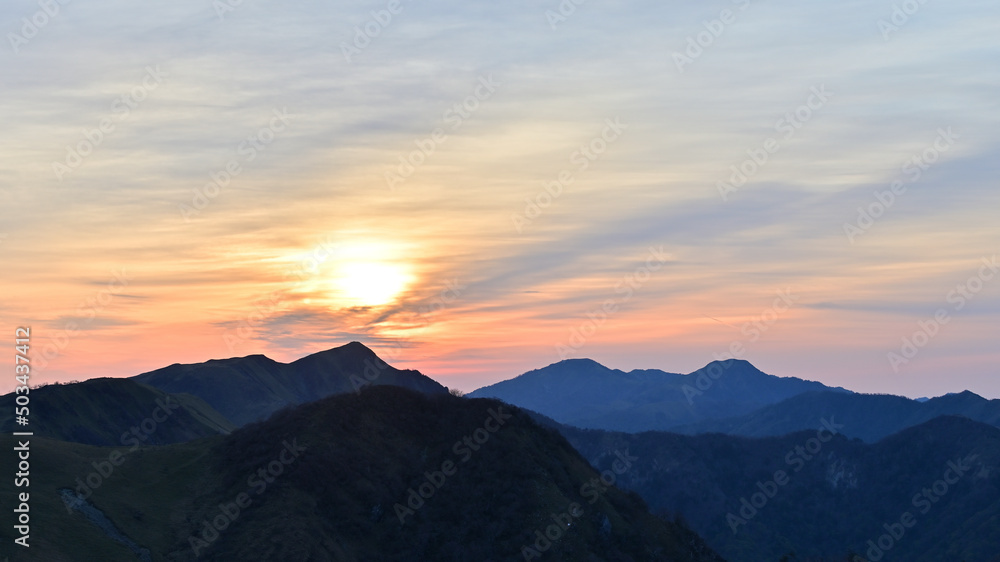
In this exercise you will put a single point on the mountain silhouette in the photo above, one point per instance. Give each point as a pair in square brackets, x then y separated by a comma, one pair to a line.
[247, 389]
[203, 399]
[584, 393]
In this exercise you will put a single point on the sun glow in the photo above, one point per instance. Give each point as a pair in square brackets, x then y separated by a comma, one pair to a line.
[370, 283]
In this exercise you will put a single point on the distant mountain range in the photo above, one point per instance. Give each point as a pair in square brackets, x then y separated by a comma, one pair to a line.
[874, 416]
[847, 493]
[731, 397]
[584, 393]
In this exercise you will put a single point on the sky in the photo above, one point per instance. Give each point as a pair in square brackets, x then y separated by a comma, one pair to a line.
[480, 189]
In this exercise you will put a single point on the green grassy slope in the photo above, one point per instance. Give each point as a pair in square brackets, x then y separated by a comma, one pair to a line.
[100, 411]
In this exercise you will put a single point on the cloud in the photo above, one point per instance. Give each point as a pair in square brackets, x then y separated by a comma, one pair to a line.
[351, 121]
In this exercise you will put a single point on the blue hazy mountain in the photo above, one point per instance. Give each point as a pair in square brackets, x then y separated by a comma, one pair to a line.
[584, 393]
[875, 416]
[820, 495]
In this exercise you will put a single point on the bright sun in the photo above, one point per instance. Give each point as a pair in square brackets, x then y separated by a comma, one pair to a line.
[370, 283]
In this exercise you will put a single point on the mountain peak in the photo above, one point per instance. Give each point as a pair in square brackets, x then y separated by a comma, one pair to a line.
[353, 348]
[247, 389]
[581, 362]
[964, 396]
[736, 366]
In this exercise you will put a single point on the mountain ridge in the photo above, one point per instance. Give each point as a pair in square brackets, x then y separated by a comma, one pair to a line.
[831, 500]
[250, 388]
[585, 393]
[879, 415]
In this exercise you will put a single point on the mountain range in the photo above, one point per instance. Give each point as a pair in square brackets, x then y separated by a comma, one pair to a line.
[584, 393]
[383, 474]
[731, 397]
[247, 389]
[875, 416]
[802, 498]
[134, 468]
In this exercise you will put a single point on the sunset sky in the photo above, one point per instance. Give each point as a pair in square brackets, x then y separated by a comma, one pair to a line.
[384, 171]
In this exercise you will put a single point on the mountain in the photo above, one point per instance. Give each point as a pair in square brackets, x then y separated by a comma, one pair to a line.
[384, 474]
[114, 412]
[584, 393]
[935, 487]
[248, 389]
[875, 416]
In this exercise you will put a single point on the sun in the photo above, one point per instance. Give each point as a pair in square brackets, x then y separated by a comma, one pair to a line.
[370, 283]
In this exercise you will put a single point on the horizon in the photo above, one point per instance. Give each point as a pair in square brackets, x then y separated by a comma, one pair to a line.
[478, 190]
[540, 368]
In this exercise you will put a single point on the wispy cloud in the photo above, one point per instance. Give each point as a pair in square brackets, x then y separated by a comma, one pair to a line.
[324, 178]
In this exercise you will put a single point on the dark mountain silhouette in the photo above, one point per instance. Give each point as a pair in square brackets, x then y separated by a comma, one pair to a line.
[829, 502]
[247, 389]
[334, 480]
[584, 393]
[106, 411]
[184, 402]
[876, 415]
